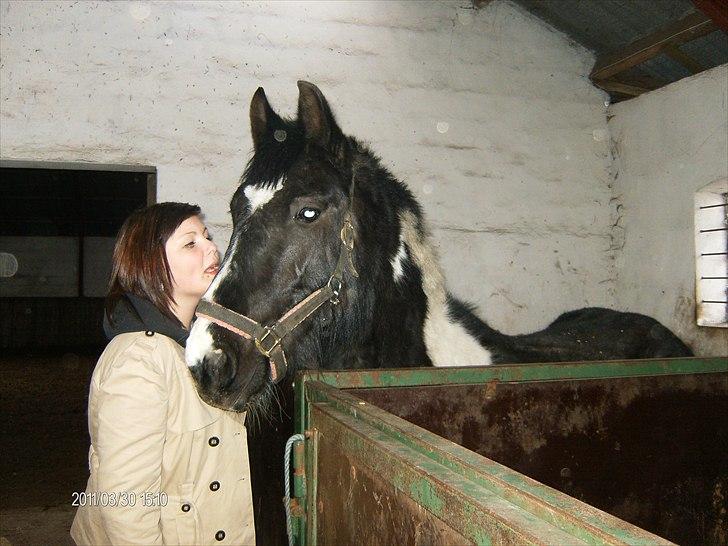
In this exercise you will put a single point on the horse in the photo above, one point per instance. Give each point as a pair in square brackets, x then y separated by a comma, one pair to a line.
[331, 265]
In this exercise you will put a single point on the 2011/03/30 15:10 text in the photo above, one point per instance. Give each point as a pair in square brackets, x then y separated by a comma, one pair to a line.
[121, 499]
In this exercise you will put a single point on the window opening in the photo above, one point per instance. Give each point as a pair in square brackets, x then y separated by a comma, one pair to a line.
[711, 254]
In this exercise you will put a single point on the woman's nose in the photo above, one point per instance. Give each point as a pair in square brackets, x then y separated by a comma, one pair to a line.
[212, 248]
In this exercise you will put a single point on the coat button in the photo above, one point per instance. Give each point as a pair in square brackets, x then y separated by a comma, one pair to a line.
[186, 507]
[149, 333]
[213, 441]
[220, 535]
[214, 486]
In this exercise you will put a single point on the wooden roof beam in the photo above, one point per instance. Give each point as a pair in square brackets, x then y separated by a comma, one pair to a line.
[685, 30]
[717, 10]
[613, 86]
[676, 54]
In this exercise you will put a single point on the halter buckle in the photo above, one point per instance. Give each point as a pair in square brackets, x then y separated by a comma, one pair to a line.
[347, 234]
[259, 342]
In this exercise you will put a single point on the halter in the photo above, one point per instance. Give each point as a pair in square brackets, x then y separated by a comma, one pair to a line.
[268, 339]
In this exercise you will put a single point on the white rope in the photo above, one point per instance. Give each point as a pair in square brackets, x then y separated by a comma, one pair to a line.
[287, 481]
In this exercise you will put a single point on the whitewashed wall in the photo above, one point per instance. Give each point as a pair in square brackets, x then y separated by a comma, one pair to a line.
[668, 144]
[488, 115]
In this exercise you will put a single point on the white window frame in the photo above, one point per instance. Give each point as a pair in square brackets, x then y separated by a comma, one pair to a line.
[711, 254]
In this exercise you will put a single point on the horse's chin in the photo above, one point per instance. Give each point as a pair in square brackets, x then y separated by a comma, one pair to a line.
[236, 402]
[257, 401]
[220, 404]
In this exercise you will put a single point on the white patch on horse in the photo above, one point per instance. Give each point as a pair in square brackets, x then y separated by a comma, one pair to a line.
[398, 260]
[199, 343]
[259, 196]
[209, 294]
[448, 343]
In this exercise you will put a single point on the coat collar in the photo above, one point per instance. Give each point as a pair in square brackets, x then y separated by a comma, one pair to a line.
[135, 314]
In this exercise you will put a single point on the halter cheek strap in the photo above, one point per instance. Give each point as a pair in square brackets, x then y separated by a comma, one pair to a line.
[268, 339]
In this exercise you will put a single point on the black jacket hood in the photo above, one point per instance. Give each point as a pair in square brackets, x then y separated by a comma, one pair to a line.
[135, 314]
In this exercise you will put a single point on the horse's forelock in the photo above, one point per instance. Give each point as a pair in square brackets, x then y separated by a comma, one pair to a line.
[274, 156]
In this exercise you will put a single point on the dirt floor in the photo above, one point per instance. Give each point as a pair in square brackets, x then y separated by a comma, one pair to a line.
[43, 399]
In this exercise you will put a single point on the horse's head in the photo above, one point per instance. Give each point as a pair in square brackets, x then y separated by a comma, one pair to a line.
[289, 216]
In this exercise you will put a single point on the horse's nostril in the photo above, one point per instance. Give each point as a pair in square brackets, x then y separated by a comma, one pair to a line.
[210, 376]
[215, 358]
[215, 372]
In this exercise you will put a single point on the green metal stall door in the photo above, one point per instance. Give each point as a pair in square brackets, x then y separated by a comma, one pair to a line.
[574, 453]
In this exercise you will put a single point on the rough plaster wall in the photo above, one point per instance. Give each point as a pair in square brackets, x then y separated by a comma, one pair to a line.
[667, 144]
[488, 115]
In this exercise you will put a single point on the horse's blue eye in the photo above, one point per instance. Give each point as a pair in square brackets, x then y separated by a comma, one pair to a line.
[308, 214]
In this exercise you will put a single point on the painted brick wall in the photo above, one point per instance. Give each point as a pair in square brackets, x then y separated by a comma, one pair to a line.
[667, 145]
[488, 115]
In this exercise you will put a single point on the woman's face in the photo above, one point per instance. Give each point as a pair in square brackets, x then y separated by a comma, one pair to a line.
[193, 259]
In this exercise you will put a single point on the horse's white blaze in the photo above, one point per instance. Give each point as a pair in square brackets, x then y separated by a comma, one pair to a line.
[259, 196]
[199, 344]
[209, 295]
[398, 260]
[448, 343]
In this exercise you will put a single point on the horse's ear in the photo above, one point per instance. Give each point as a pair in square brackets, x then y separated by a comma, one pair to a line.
[315, 114]
[262, 118]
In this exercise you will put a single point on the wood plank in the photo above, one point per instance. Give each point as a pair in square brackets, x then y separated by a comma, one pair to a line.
[613, 86]
[47, 267]
[97, 253]
[717, 10]
[71, 166]
[676, 54]
[686, 29]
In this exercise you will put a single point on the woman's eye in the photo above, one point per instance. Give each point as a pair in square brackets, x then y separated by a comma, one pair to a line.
[190, 244]
[308, 214]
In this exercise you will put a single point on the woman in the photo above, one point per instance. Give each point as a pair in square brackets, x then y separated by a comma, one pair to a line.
[165, 467]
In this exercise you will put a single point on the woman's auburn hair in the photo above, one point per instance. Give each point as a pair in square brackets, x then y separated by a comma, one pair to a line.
[139, 264]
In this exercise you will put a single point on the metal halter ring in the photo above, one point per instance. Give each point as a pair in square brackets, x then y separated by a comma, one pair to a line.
[336, 291]
[259, 342]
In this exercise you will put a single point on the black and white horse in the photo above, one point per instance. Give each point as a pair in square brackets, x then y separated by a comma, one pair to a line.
[305, 185]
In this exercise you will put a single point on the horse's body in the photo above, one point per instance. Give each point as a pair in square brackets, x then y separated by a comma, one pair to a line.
[394, 308]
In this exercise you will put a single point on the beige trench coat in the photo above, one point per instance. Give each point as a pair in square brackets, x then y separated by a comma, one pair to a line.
[165, 467]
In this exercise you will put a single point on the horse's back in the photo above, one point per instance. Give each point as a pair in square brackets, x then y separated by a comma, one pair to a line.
[591, 333]
[615, 334]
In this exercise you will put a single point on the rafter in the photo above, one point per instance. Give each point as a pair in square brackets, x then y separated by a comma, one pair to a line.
[717, 10]
[676, 54]
[613, 86]
[686, 29]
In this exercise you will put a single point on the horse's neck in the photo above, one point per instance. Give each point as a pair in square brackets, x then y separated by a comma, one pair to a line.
[395, 339]
[411, 321]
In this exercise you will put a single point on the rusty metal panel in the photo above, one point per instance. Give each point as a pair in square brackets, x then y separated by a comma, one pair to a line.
[408, 377]
[458, 414]
[650, 450]
[372, 489]
[355, 504]
[483, 500]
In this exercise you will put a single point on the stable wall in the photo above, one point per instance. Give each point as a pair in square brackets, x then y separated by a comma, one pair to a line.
[488, 115]
[667, 144]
